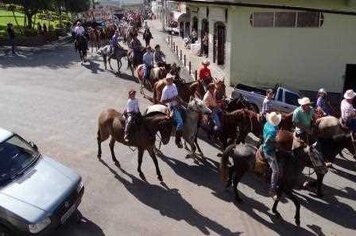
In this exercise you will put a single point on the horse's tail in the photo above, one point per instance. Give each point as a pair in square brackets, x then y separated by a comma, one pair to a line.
[224, 161]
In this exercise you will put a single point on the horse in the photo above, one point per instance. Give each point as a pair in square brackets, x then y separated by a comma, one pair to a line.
[157, 73]
[93, 38]
[198, 88]
[107, 55]
[133, 60]
[247, 158]
[111, 123]
[287, 119]
[81, 46]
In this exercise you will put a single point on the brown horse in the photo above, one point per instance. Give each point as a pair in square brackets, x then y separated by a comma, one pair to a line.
[112, 123]
[287, 123]
[245, 159]
[198, 90]
[156, 74]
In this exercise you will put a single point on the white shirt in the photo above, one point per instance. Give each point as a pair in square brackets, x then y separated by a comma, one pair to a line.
[347, 110]
[169, 92]
[132, 106]
[148, 59]
[79, 30]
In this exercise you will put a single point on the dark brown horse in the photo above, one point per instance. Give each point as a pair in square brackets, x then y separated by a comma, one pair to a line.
[245, 159]
[112, 123]
[287, 123]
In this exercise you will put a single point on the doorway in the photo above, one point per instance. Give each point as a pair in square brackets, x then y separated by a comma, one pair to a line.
[219, 43]
[204, 30]
[350, 77]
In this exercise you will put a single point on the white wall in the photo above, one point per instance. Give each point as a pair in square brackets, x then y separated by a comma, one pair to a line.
[304, 58]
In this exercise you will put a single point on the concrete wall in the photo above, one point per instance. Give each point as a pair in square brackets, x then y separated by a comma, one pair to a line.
[304, 58]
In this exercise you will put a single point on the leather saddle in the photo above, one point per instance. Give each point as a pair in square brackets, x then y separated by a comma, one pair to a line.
[261, 165]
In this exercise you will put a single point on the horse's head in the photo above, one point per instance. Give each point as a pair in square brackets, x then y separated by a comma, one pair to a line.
[197, 105]
[220, 88]
[165, 127]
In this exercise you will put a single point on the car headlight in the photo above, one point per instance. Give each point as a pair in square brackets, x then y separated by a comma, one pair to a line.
[39, 226]
[80, 186]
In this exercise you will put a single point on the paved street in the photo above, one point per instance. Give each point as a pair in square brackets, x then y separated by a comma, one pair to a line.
[50, 98]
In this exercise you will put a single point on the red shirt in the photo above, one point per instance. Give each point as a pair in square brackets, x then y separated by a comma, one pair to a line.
[204, 73]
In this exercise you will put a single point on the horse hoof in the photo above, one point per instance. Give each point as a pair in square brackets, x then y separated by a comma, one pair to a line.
[297, 222]
[142, 176]
[117, 164]
[160, 178]
[277, 215]
[99, 156]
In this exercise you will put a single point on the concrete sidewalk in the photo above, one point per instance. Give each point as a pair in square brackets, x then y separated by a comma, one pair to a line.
[186, 57]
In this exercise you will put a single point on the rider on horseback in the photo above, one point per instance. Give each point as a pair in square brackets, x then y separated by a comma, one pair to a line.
[322, 103]
[79, 32]
[159, 57]
[114, 42]
[148, 61]
[211, 102]
[132, 113]
[205, 74]
[136, 47]
[270, 130]
[302, 119]
[171, 99]
[348, 112]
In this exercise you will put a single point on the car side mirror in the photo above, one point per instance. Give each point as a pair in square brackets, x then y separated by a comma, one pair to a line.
[33, 145]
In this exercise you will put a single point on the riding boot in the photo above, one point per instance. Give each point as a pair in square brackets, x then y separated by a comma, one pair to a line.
[179, 134]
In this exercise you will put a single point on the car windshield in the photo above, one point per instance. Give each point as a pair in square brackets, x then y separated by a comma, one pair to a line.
[15, 156]
[291, 98]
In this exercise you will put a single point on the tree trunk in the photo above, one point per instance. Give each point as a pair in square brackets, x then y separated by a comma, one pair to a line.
[29, 16]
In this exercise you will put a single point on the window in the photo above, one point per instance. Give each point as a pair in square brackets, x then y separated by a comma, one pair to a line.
[291, 98]
[280, 96]
[287, 19]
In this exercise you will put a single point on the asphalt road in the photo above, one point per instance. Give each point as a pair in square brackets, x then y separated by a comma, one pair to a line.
[50, 98]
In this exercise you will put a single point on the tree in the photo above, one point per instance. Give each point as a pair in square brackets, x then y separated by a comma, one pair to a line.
[76, 6]
[31, 7]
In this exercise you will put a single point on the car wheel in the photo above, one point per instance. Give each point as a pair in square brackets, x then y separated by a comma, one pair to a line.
[4, 231]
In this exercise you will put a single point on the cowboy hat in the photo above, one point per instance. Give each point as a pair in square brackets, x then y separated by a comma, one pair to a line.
[206, 62]
[304, 101]
[170, 76]
[274, 118]
[349, 94]
[322, 90]
[131, 92]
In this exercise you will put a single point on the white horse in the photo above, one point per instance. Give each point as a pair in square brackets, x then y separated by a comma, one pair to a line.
[107, 55]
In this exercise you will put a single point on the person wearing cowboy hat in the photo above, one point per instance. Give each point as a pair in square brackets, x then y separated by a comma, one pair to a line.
[132, 113]
[302, 120]
[148, 61]
[322, 103]
[205, 74]
[348, 112]
[171, 98]
[159, 57]
[270, 130]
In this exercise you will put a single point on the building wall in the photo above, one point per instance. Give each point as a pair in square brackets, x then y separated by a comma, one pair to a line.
[216, 14]
[304, 58]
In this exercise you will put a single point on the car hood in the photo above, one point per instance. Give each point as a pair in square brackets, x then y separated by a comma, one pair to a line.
[43, 187]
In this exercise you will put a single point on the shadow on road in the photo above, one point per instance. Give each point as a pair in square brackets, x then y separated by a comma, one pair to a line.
[78, 225]
[169, 203]
[61, 57]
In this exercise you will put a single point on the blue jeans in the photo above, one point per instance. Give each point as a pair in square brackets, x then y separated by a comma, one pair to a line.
[147, 71]
[216, 112]
[351, 124]
[272, 161]
[177, 117]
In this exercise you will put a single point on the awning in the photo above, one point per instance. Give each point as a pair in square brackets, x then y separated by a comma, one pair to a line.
[179, 16]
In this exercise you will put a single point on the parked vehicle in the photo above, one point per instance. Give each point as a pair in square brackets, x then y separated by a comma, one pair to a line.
[285, 100]
[37, 193]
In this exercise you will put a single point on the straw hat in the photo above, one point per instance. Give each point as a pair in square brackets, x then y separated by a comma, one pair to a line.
[274, 118]
[131, 92]
[304, 101]
[206, 62]
[170, 76]
[349, 94]
[322, 90]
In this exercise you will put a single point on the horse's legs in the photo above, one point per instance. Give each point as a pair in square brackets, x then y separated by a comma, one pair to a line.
[98, 138]
[193, 149]
[275, 204]
[111, 145]
[153, 156]
[319, 183]
[237, 178]
[197, 145]
[105, 61]
[140, 155]
[229, 181]
[297, 206]
[118, 65]
[109, 61]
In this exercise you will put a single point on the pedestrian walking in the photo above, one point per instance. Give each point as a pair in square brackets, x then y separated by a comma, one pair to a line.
[11, 36]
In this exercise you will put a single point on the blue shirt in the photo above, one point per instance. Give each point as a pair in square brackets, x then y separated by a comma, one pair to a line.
[322, 103]
[269, 137]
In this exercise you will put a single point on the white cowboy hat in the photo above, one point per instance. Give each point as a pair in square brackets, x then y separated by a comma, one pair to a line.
[349, 94]
[170, 76]
[304, 101]
[322, 90]
[274, 118]
[206, 62]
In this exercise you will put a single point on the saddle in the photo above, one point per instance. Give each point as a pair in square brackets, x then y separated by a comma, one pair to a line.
[261, 165]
